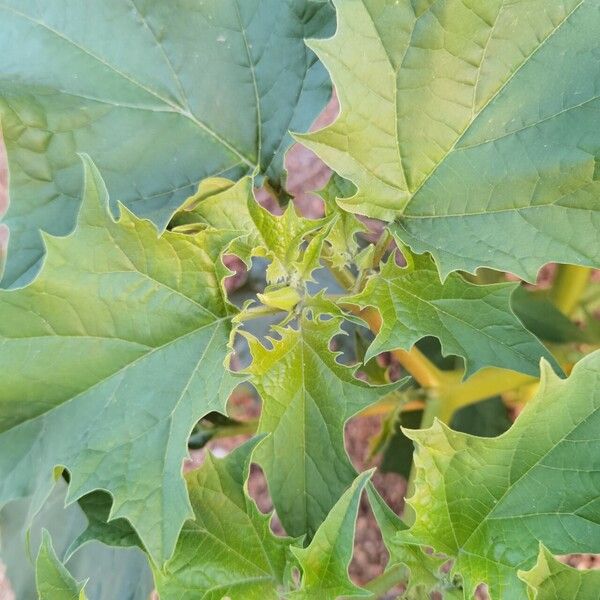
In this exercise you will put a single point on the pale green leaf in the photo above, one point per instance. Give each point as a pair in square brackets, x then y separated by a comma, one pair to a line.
[473, 124]
[307, 398]
[550, 579]
[228, 549]
[161, 95]
[342, 237]
[474, 322]
[108, 359]
[325, 561]
[488, 502]
[221, 204]
[53, 580]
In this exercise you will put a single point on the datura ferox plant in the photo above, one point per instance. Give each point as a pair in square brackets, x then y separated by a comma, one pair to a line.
[465, 158]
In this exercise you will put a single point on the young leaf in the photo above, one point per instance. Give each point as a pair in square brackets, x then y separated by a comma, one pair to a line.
[474, 125]
[471, 321]
[550, 579]
[108, 359]
[228, 549]
[307, 398]
[342, 237]
[325, 561]
[487, 502]
[53, 580]
[233, 207]
[161, 95]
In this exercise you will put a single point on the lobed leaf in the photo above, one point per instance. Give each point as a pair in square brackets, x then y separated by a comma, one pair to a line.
[489, 502]
[325, 560]
[53, 580]
[160, 95]
[474, 125]
[471, 321]
[550, 579]
[307, 398]
[109, 358]
[228, 549]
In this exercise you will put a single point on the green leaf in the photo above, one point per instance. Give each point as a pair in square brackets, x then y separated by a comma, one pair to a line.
[111, 572]
[160, 95]
[220, 204]
[473, 124]
[397, 448]
[487, 502]
[228, 549]
[471, 321]
[307, 398]
[550, 579]
[346, 226]
[109, 358]
[542, 318]
[488, 418]
[423, 570]
[325, 561]
[53, 580]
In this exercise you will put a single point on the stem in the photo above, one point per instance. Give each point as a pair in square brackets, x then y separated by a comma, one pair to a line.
[388, 579]
[419, 366]
[413, 360]
[455, 393]
[342, 275]
[381, 246]
[569, 285]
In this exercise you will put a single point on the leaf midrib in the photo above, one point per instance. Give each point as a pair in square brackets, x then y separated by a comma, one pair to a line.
[512, 485]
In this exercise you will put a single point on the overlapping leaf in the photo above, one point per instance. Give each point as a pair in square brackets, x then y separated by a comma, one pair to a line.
[473, 124]
[228, 549]
[489, 502]
[109, 572]
[53, 580]
[471, 321]
[108, 359]
[307, 398]
[423, 571]
[550, 579]
[161, 95]
[325, 561]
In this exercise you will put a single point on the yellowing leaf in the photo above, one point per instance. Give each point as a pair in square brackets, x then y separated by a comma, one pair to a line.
[550, 579]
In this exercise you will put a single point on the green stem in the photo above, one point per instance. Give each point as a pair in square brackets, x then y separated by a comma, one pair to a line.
[569, 285]
[387, 580]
